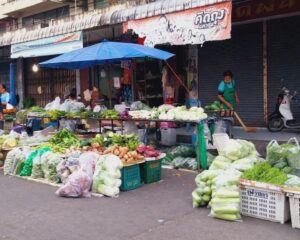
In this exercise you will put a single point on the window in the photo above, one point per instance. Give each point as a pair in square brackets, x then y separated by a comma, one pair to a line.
[101, 3]
[46, 17]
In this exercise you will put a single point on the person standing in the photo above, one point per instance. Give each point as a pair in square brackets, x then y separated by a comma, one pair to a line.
[227, 93]
[5, 96]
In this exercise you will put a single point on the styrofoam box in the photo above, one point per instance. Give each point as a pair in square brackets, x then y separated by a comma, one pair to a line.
[295, 209]
[265, 203]
[168, 136]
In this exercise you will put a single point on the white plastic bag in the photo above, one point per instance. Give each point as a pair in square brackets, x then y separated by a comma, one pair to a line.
[87, 162]
[55, 105]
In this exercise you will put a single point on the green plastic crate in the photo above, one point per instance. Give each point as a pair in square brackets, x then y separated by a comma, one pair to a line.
[151, 171]
[131, 178]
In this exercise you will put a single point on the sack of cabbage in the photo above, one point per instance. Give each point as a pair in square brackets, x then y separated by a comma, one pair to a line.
[202, 194]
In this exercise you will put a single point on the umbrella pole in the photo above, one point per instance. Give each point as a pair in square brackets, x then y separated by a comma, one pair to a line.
[177, 77]
[109, 86]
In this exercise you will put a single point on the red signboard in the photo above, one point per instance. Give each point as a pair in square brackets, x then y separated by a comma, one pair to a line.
[257, 9]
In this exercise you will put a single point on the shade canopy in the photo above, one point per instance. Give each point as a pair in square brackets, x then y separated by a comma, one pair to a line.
[102, 53]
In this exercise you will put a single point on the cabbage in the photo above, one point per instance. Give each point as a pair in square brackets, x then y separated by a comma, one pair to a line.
[108, 191]
[234, 150]
[228, 217]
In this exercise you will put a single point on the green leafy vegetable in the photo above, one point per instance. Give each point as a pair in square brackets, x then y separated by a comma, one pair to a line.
[264, 172]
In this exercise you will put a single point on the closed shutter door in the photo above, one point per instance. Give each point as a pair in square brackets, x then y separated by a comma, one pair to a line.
[243, 55]
[284, 58]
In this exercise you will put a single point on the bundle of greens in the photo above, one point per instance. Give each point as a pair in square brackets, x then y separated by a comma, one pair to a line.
[65, 139]
[264, 172]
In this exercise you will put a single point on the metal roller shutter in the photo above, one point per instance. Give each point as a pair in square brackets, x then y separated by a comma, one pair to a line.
[243, 55]
[284, 58]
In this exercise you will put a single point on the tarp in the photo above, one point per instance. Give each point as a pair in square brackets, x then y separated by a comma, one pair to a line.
[102, 53]
[193, 26]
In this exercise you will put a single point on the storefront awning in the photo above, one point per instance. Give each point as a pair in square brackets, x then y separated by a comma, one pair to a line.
[110, 17]
[158, 8]
[58, 29]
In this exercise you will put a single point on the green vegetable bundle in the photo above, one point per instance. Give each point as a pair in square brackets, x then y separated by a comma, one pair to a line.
[264, 172]
[65, 139]
[37, 109]
[109, 114]
[127, 140]
[202, 194]
[55, 114]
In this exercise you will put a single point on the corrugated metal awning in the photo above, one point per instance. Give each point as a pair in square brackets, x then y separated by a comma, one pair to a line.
[61, 28]
[113, 17]
[158, 8]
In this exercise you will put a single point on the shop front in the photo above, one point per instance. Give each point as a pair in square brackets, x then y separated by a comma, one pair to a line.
[42, 85]
[260, 54]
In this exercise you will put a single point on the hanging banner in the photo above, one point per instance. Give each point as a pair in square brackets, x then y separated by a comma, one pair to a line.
[193, 26]
[48, 46]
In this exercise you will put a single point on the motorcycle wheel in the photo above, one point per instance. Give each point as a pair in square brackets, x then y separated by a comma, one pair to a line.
[275, 124]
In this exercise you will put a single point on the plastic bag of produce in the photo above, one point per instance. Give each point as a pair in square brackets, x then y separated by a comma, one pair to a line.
[234, 150]
[63, 171]
[182, 151]
[11, 161]
[27, 168]
[37, 171]
[248, 147]
[106, 179]
[87, 162]
[220, 162]
[293, 154]
[78, 184]
[28, 164]
[275, 153]
[245, 163]
[187, 163]
[293, 181]
[50, 161]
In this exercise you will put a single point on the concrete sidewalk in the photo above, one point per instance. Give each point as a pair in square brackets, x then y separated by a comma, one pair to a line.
[263, 134]
[153, 212]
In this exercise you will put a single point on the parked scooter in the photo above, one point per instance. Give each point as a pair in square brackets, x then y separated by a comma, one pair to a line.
[283, 116]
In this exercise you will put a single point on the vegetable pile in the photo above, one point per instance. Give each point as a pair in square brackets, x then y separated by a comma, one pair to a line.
[109, 114]
[106, 179]
[64, 139]
[124, 154]
[214, 107]
[148, 151]
[264, 172]
[219, 186]
[284, 157]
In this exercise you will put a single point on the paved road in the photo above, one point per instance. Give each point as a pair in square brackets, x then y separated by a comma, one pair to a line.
[31, 211]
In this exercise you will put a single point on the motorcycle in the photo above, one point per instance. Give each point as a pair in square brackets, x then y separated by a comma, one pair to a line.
[283, 117]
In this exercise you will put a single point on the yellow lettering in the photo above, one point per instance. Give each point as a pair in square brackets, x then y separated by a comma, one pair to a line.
[265, 8]
[243, 11]
[286, 4]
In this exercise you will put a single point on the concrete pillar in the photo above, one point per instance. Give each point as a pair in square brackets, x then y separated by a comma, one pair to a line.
[20, 85]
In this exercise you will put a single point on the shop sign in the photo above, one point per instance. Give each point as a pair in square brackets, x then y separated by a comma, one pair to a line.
[48, 46]
[257, 9]
[193, 26]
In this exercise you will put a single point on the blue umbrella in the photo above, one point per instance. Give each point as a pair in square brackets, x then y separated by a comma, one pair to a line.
[102, 53]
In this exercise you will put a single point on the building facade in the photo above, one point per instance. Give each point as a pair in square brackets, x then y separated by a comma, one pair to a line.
[263, 48]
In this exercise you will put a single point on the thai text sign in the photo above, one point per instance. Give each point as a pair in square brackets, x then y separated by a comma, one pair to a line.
[193, 26]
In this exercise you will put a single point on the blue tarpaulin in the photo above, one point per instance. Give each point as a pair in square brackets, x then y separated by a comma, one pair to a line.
[102, 53]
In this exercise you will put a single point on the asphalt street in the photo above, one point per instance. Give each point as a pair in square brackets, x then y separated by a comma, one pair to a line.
[164, 210]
